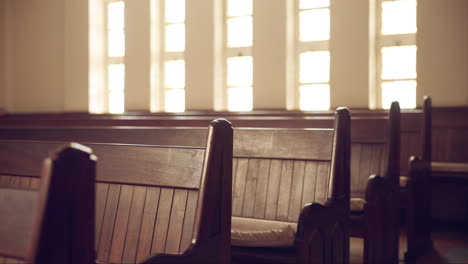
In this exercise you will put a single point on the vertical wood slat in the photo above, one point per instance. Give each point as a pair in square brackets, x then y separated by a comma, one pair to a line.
[34, 184]
[321, 186]
[162, 221]
[295, 203]
[5, 180]
[262, 188]
[101, 199]
[14, 181]
[376, 159]
[121, 224]
[250, 188]
[356, 150]
[310, 179]
[134, 224]
[273, 189]
[105, 240]
[284, 191]
[174, 232]
[147, 224]
[239, 190]
[190, 212]
[25, 182]
[360, 180]
[234, 173]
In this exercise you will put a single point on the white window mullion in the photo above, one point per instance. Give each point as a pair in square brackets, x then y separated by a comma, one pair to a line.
[313, 56]
[396, 53]
[238, 55]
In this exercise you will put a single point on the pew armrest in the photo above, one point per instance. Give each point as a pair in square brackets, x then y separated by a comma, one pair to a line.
[322, 234]
[381, 220]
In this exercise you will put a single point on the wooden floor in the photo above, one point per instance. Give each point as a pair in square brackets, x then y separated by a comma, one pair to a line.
[450, 247]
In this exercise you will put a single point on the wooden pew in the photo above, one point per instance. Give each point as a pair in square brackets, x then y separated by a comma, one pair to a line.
[374, 120]
[369, 157]
[158, 204]
[56, 223]
[249, 152]
[375, 191]
[418, 194]
[277, 171]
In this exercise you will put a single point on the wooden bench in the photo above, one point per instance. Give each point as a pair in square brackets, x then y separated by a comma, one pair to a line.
[369, 156]
[375, 189]
[282, 153]
[54, 224]
[155, 199]
[418, 194]
[374, 120]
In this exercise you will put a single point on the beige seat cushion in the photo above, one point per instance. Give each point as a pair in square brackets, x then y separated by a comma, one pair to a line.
[357, 205]
[403, 181]
[249, 232]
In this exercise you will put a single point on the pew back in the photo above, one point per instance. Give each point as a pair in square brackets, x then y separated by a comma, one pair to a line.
[277, 171]
[147, 196]
[368, 146]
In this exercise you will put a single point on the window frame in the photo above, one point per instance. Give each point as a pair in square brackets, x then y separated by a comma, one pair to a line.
[307, 46]
[230, 52]
[111, 60]
[391, 40]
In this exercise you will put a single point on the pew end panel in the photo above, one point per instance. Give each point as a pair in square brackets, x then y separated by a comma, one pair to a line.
[56, 223]
[418, 192]
[419, 215]
[374, 189]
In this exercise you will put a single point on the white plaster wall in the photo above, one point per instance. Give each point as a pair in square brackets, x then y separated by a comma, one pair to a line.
[442, 41]
[35, 46]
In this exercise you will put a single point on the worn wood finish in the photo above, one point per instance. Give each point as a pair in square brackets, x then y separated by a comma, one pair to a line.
[56, 223]
[159, 199]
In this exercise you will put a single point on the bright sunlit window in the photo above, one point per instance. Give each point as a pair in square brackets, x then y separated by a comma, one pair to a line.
[314, 57]
[239, 61]
[397, 45]
[115, 57]
[174, 63]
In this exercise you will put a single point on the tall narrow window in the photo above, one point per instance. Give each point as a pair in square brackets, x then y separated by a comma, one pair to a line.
[313, 33]
[239, 79]
[115, 56]
[397, 52]
[173, 56]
